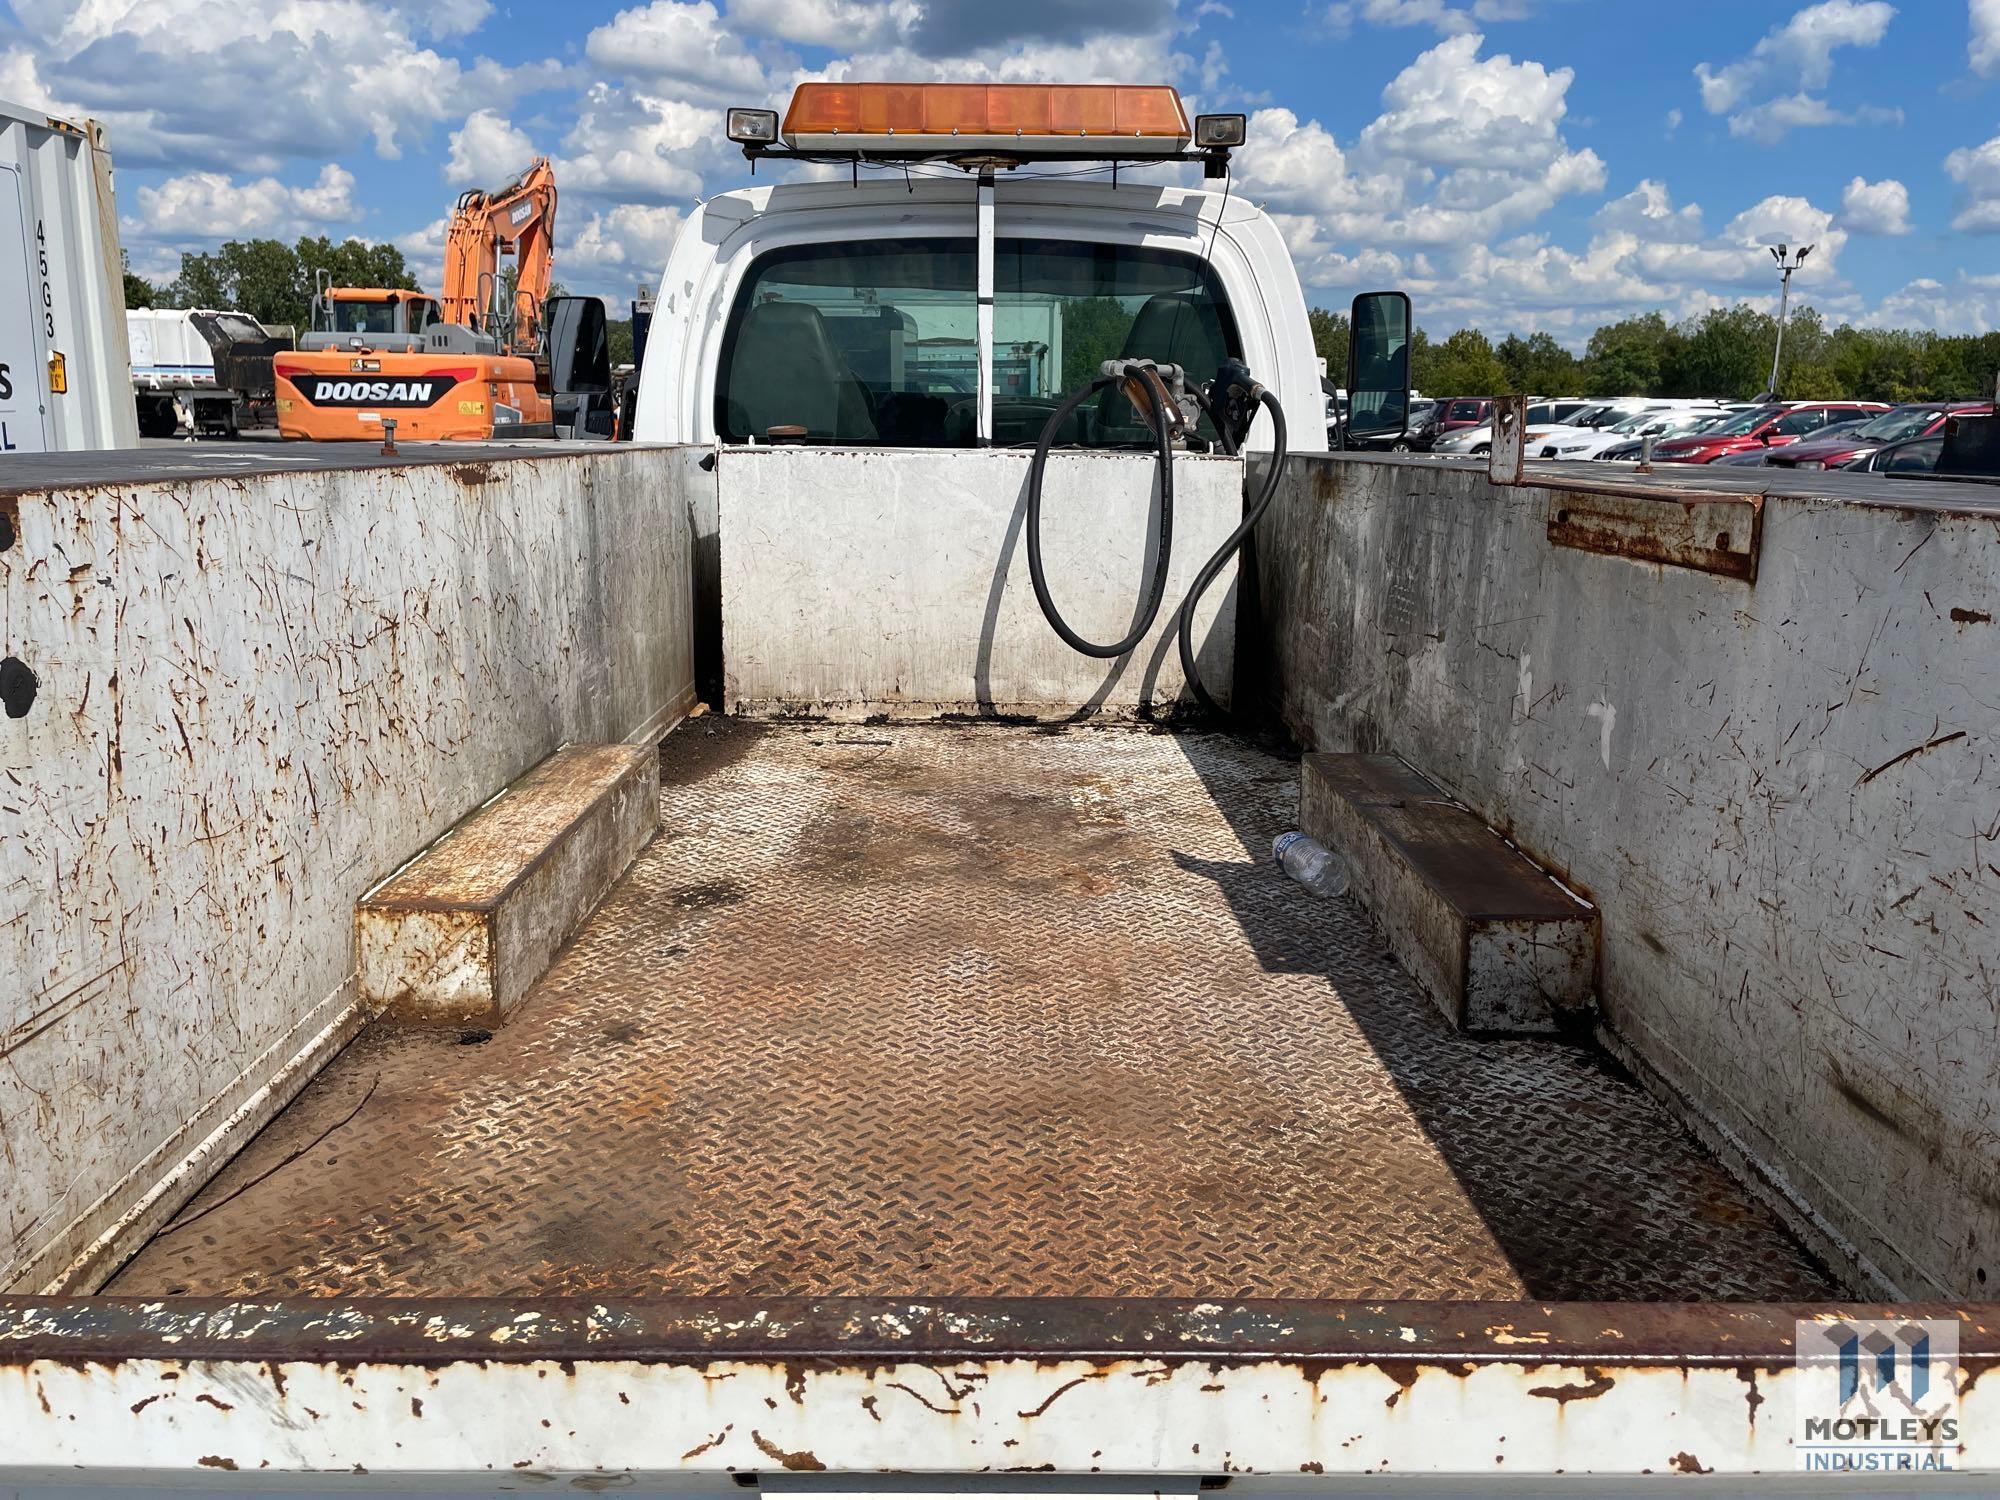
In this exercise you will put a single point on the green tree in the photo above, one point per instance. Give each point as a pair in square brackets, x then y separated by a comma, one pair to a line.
[274, 282]
[1626, 358]
[1463, 365]
[1537, 365]
[1330, 333]
[138, 291]
[1724, 352]
[1093, 330]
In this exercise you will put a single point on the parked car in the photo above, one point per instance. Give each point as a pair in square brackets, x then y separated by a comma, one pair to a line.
[1775, 425]
[1679, 424]
[1479, 439]
[1423, 430]
[1918, 455]
[1760, 457]
[1420, 414]
[1462, 412]
[1652, 421]
[1829, 449]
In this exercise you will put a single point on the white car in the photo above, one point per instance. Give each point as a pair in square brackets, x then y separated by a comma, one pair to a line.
[1589, 423]
[1657, 421]
[1477, 440]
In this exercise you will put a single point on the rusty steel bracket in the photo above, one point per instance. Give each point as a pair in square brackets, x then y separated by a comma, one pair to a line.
[1507, 459]
[1710, 533]
[1707, 530]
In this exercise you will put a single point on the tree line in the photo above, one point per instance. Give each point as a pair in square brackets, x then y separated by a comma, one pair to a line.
[1726, 352]
[271, 281]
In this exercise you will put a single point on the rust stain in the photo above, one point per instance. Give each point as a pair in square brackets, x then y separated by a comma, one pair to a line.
[943, 1411]
[1961, 616]
[1754, 1398]
[216, 1402]
[715, 1442]
[802, 1463]
[216, 1461]
[1687, 1463]
[1062, 1390]
[1597, 1384]
[1914, 750]
[1710, 534]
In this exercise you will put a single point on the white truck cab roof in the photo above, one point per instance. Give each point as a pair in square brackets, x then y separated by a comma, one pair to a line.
[849, 310]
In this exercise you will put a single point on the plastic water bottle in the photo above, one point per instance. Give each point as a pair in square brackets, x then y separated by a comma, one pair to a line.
[1311, 863]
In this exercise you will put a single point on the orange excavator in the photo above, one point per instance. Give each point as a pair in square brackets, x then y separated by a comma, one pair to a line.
[466, 365]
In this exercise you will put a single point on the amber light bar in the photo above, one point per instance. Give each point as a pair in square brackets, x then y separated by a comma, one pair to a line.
[1017, 118]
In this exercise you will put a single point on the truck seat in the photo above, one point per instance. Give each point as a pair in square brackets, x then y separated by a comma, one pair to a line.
[786, 370]
[1172, 328]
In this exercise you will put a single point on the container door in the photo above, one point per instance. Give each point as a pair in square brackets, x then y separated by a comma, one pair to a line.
[23, 409]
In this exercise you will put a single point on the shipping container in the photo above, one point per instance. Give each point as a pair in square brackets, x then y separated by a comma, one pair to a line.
[63, 359]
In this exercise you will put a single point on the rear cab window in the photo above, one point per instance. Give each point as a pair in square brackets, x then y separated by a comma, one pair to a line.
[875, 342]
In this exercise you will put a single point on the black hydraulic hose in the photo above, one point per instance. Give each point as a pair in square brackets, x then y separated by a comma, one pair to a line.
[1158, 589]
[1189, 669]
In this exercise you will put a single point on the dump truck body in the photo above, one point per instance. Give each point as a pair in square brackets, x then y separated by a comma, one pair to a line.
[919, 1072]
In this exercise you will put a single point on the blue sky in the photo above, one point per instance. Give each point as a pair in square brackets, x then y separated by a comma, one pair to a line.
[1518, 164]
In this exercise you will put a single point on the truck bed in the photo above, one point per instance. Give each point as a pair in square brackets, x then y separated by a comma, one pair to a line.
[973, 1010]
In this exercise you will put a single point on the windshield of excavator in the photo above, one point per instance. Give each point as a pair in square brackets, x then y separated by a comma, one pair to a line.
[363, 317]
[875, 342]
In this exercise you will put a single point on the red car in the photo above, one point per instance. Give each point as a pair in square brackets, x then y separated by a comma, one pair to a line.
[1464, 411]
[1778, 425]
[1898, 425]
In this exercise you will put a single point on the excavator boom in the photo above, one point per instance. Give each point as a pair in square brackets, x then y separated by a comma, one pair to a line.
[518, 219]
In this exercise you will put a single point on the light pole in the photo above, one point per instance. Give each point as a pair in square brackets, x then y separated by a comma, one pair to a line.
[1786, 266]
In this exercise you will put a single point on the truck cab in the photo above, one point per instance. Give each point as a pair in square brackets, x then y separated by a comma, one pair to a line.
[846, 313]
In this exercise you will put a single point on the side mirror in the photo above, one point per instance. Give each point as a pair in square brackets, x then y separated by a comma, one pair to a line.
[1378, 366]
[578, 346]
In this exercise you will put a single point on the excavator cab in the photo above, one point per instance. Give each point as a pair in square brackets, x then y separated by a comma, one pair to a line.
[369, 317]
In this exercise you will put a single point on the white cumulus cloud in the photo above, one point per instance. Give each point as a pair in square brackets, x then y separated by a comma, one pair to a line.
[1977, 170]
[1984, 47]
[1876, 207]
[213, 206]
[487, 151]
[1772, 91]
[843, 24]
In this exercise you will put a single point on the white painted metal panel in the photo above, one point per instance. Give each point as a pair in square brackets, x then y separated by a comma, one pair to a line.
[857, 581]
[1778, 794]
[257, 696]
[477, 1399]
[59, 227]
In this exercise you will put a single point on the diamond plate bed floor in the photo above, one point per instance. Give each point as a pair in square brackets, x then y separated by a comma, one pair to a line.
[972, 1010]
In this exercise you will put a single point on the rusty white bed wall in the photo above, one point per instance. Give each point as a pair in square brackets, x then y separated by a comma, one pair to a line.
[1784, 795]
[255, 697]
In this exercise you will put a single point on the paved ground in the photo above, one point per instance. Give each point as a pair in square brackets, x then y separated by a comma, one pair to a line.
[973, 1010]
